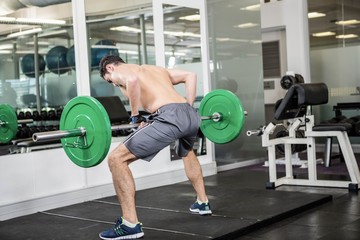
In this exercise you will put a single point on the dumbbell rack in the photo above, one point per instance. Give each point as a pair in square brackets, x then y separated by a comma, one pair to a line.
[45, 120]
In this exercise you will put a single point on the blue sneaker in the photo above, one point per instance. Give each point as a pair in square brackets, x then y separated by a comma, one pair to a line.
[202, 209]
[121, 231]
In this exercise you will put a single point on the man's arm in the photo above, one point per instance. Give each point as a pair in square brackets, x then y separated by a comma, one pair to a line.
[188, 78]
[133, 93]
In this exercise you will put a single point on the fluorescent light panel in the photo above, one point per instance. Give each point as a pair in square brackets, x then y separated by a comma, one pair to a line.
[316, 14]
[346, 36]
[348, 22]
[6, 46]
[38, 21]
[40, 43]
[195, 17]
[26, 32]
[136, 30]
[255, 7]
[246, 25]
[7, 19]
[46, 34]
[323, 34]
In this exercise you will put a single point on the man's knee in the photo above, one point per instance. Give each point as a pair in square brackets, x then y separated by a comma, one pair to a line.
[119, 156]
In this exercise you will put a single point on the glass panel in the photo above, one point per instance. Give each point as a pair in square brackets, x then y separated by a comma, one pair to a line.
[112, 34]
[236, 60]
[334, 57]
[37, 87]
[182, 44]
[182, 40]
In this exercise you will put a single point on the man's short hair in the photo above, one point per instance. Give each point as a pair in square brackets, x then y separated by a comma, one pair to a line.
[109, 59]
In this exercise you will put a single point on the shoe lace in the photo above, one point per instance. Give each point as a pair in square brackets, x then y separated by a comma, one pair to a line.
[117, 228]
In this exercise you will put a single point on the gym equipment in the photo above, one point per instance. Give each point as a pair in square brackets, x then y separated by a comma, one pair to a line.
[70, 57]
[56, 60]
[28, 65]
[85, 129]
[9, 123]
[100, 50]
[297, 98]
[288, 80]
[231, 116]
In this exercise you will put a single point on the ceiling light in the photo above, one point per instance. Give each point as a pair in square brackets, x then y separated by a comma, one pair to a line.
[5, 51]
[6, 46]
[7, 19]
[316, 14]
[37, 21]
[181, 34]
[348, 22]
[346, 36]
[251, 7]
[26, 32]
[323, 34]
[40, 21]
[231, 40]
[195, 17]
[136, 30]
[125, 29]
[40, 43]
[52, 33]
[246, 25]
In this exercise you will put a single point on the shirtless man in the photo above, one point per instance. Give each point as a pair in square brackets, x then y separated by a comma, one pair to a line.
[172, 119]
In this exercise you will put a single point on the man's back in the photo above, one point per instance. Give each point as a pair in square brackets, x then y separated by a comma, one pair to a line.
[156, 87]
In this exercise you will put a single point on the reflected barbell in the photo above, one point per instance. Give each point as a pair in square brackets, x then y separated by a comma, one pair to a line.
[85, 129]
[9, 123]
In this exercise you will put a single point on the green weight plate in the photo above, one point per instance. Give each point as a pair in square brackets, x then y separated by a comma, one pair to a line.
[9, 123]
[232, 122]
[86, 112]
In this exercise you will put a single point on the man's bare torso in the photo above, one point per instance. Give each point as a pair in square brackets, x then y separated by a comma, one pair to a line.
[156, 87]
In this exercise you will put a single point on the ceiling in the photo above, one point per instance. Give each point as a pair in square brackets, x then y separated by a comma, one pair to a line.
[335, 10]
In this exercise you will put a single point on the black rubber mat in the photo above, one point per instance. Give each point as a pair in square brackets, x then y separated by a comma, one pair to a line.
[164, 213]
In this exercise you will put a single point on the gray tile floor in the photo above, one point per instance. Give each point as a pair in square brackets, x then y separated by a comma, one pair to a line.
[238, 194]
[336, 219]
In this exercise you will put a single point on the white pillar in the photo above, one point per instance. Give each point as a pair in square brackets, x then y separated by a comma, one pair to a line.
[81, 48]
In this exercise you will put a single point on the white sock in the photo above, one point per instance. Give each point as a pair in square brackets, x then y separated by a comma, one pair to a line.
[129, 224]
[200, 202]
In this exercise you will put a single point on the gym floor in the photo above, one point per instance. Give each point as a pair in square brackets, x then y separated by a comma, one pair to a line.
[242, 207]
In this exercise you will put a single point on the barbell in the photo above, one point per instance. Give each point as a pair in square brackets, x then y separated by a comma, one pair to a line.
[85, 128]
[9, 123]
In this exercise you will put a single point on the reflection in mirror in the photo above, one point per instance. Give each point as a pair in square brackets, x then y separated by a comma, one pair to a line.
[183, 43]
[35, 77]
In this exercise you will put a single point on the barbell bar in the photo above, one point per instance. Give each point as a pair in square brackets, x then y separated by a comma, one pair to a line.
[80, 132]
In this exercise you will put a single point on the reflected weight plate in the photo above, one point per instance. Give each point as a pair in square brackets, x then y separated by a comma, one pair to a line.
[86, 112]
[9, 126]
[232, 122]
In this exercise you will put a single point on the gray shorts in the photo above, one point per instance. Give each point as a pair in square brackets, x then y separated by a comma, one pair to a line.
[175, 122]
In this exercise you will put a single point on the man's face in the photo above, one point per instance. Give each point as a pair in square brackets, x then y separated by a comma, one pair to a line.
[109, 75]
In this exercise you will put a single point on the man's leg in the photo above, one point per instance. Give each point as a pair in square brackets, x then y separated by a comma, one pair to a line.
[194, 173]
[123, 180]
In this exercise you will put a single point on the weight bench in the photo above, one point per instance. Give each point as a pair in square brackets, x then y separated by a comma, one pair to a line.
[295, 107]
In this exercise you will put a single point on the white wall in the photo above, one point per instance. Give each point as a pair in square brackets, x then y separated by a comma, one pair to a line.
[47, 179]
[290, 15]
